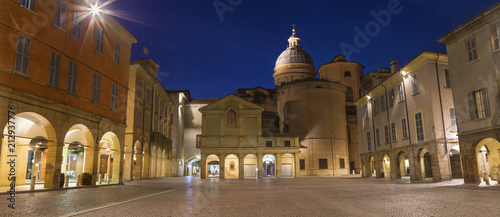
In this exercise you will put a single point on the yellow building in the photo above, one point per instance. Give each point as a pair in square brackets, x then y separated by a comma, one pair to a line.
[407, 123]
[64, 79]
[301, 128]
[148, 143]
[474, 55]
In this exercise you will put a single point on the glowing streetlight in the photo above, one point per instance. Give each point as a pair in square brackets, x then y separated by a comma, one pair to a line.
[403, 72]
[94, 9]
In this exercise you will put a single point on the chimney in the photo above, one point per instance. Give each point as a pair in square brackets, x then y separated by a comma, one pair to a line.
[394, 66]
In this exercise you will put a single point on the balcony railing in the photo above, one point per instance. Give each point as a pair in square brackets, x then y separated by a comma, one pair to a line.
[224, 141]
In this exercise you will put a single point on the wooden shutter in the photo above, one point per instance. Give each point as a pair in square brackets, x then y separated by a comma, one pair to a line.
[486, 103]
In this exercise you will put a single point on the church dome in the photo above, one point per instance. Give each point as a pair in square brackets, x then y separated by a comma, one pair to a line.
[294, 53]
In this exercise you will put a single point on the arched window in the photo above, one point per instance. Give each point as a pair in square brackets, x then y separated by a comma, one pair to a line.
[347, 74]
[231, 118]
[348, 94]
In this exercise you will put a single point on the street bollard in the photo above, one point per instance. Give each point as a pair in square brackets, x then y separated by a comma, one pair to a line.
[106, 178]
[66, 180]
[361, 173]
[32, 185]
[353, 172]
[78, 180]
[109, 179]
[498, 177]
[100, 179]
[486, 178]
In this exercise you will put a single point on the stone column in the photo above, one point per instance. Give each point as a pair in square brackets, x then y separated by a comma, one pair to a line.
[129, 167]
[260, 156]
[469, 163]
[136, 172]
[222, 164]
[241, 165]
[53, 165]
[146, 169]
[442, 165]
[297, 165]
[415, 173]
[278, 165]
[203, 166]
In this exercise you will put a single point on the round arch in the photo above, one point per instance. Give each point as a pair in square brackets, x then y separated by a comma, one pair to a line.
[425, 163]
[213, 167]
[231, 167]
[386, 166]
[403, 165]
[109, 160]
[250, 167]
[269, 165]
[78, 152]
[35, 140]
[488, 157]
[287, 165]
[456, 162]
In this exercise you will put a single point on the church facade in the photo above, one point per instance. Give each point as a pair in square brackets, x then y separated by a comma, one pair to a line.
[305, 126]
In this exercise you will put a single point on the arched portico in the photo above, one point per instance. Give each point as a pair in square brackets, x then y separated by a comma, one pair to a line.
[212, 166]
[35, 148]
[78, 152]
[488, 158]
[231, 167]
[109, 160]
[250, 166]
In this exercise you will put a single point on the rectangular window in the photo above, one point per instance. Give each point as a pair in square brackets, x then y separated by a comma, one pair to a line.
[22, 55]
[419, 126]
[54, 69]
[323, 164]
[96, 88]
[342, 163]
[453, 120]
[146, 121]
[99, 42]
[393, 131]
[139, 89]
[479, 106]
[60, 14]
[404, 129]
[139, 118]
[369, 141]
[269, 144]
[496, 37]
[302, 164]
[414, 83]
[375, 105]
[30, 4]
[72, 77]
[76, 27]
[114, 96]
[471, 49]
[391, 98]
[118, 48]
[383, 102]
[447, 78]
[386, 131]
[401, 93]
[377, 136]
[287, 143]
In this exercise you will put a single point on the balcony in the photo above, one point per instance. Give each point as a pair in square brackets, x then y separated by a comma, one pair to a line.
[238, 141]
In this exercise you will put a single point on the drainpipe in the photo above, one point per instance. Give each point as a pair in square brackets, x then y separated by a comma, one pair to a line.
[388, 125]
[408, 131]
[442, 113]
[374, 134]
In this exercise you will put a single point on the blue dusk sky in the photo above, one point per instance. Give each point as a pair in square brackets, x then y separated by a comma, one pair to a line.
[213, 47]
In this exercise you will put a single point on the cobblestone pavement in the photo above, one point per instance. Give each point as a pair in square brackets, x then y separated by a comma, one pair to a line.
[311, 196]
